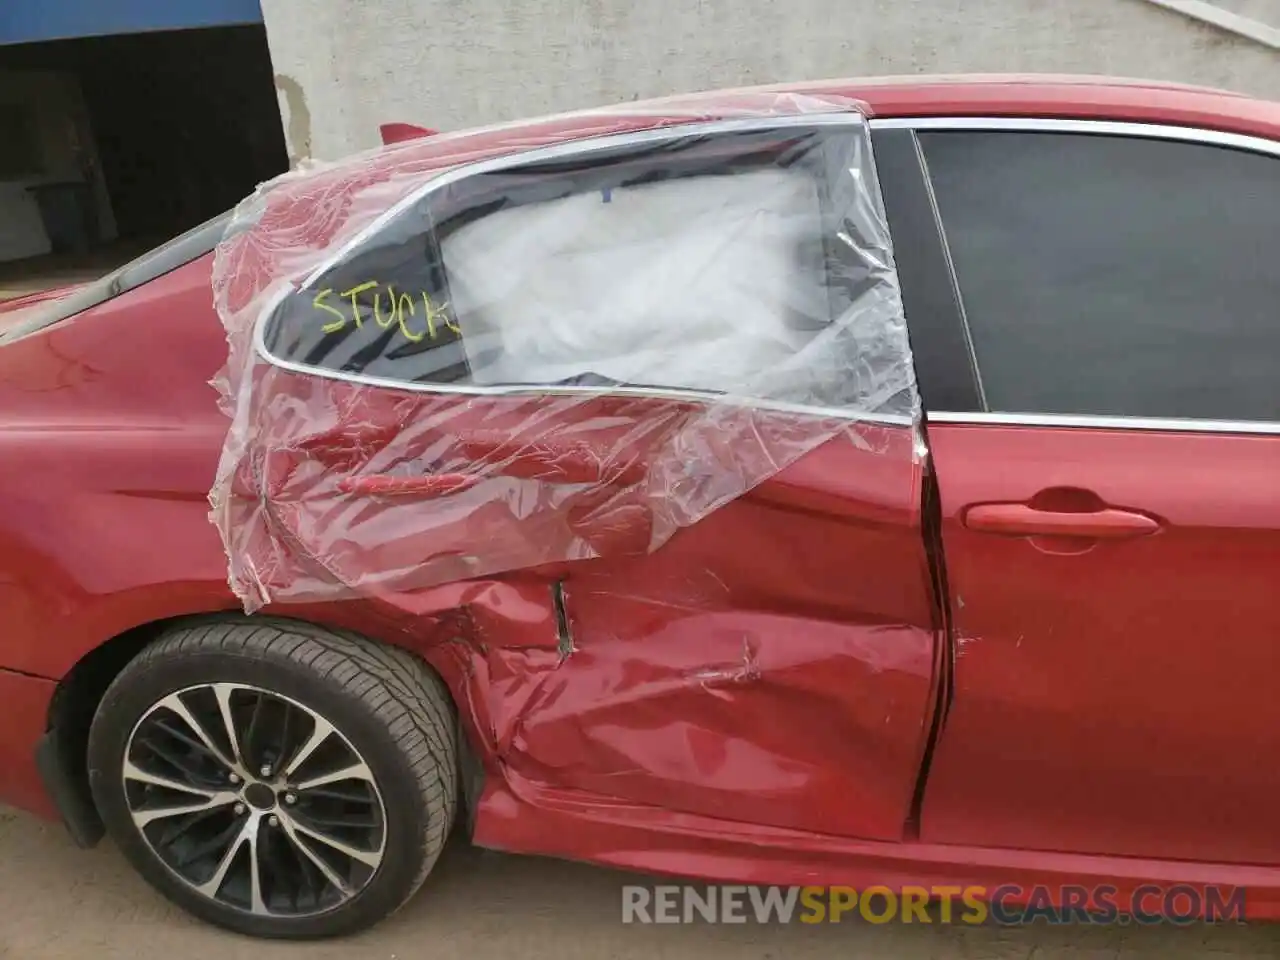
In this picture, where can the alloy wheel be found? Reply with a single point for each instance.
(254, 800)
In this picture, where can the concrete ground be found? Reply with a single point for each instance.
(60, 903)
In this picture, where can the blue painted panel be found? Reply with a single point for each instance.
(25, 21)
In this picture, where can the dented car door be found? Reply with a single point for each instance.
(1103, 421)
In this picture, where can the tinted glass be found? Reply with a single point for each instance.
(1115, 276)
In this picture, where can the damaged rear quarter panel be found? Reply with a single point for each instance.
(772, 664)
(660, 534)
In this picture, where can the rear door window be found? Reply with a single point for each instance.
(1115, 275)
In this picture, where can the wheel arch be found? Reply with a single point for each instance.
(62, 754)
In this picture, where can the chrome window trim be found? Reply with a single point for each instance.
(572, 148)
(676, 131)
(1150, 131)
(1099, 422)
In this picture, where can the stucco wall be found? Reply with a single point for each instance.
(1264, 11)
(344, 66)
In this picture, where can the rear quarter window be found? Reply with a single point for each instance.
(710, 264)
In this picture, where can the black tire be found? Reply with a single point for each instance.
(388, 707)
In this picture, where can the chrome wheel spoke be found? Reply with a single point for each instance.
(205, 848)
(173, 703)
(211, 887)
(254, 801)
(222, 693)
(353, 792)
(291, 831)
(322, 731)
(133, 772)
(318, 821)
(172, 759)
(367, 857)
(256, 904)
(143, 818)
(356, 771)
(177, 829)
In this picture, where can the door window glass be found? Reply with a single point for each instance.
(1115, 276)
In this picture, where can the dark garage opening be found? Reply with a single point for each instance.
(181, 125)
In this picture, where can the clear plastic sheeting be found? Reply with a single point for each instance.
(543, 343)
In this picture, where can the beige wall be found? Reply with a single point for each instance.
(344, 66)
(1264, 11)
(59, 109)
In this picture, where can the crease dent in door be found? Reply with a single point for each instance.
(731, 694)
(491, 352)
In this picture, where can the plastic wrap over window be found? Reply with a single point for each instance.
(545, 343)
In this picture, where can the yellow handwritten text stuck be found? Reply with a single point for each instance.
(390, 309)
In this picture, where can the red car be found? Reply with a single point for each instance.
(1003, 612)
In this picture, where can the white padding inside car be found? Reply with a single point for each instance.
(697, 283)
